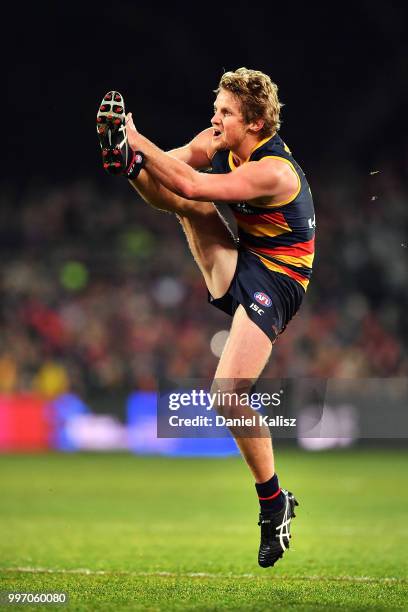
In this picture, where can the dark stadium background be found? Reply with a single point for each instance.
(86, 268)
(341, 73)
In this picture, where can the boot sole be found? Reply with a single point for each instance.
(110, 122)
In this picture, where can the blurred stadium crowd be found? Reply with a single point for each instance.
(99, 291)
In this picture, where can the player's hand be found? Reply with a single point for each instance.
(131, 132)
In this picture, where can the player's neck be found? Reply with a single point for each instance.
(243, 152)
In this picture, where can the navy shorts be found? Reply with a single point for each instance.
(270, 299)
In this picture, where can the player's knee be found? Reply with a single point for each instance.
(201, 212)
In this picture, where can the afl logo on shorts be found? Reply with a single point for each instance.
(263, 299)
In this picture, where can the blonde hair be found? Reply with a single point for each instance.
(258, 97)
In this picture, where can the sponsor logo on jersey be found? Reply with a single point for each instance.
(263, 299)
(257, 309)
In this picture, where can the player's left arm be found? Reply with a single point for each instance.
(267, 177)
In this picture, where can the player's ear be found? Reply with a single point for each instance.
(256, 125)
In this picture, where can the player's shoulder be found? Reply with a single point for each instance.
(278, 155)
(274, 164)
(272, 147)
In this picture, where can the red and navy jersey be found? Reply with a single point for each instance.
(281, 234)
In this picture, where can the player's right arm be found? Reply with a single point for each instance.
(197, 153)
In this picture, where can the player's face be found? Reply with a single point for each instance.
(229, 127)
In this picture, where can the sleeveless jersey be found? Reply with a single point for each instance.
(282, 234)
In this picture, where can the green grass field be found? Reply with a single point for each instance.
(120, 532)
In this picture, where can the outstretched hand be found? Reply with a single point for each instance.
(131, 132)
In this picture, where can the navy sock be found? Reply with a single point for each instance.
(270, 496)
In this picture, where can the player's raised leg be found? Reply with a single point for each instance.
(210, 240)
